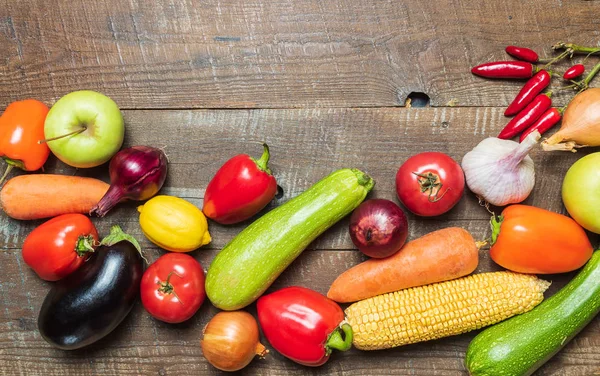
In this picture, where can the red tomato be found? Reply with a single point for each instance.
(430, 184)
(172, 288)
(59, 246)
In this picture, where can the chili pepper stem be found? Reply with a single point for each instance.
(591, 75)
(80, 130)
(85, 244)
(335, 340)
(575, 49)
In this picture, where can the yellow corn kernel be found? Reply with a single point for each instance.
(450, 308)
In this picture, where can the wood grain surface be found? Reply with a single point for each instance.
(323, 83)
(276, 54)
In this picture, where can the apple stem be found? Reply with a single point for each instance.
(83, 128)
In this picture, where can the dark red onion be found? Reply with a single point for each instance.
(378, 227)
(136, 173)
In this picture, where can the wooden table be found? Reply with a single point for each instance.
(324, 83)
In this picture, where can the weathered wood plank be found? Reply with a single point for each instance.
(306, 145)
(143, 346)
(283, 54)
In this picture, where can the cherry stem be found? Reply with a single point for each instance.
(80, 130)
(167, 288)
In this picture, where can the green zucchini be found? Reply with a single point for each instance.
(251, 261)
(522, 344)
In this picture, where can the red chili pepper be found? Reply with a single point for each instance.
(505, 69)
(532, 87)
(545, 122)
(303, 325)
(240, 189)
(523, 53)
(527, 116)
(573, 72)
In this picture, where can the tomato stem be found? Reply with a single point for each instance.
(84, 245)
(335, 340)
(167, 288)
(429, 182)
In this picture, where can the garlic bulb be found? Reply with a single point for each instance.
(500, 171)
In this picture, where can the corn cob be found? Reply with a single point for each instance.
(442, 309)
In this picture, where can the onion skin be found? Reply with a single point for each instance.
(136, 173)
(231, 341)
(378, 227)
(580, 124)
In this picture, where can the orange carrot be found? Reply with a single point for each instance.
(439, 256)
(42, 196)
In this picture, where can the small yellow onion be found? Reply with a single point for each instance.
(174, 224)
(580, 124)
(231, 341)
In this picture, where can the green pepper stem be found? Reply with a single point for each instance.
(495, 223)
(85, 244)
(262, 163)
(335, 340)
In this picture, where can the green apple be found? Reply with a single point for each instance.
(84, 129)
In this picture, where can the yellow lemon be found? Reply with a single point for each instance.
(174, 224)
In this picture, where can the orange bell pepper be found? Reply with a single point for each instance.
(21, 127)
(527, 239)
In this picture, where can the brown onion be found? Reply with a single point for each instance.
(231, 341)
(580, 124)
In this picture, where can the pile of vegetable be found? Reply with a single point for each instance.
(407, 291)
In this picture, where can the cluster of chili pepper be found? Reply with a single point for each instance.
(532, 108)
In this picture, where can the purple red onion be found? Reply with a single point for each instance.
(136, 173)
(378, 227)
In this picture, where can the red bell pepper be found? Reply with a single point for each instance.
(21, 129)
(303, 325)
(58, 247)
(240, 189)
